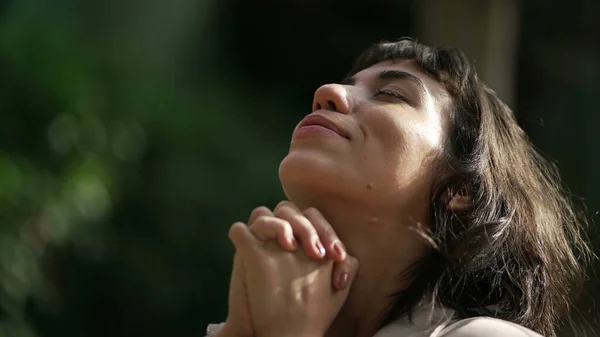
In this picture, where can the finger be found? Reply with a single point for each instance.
(286, 203)
(333, 245)
(303, 229)
(281, 232)
(242, 238)
(344, 273)
(271, 228)
(258, 212)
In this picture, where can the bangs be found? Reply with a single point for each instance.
(448, 66)
(405, 48)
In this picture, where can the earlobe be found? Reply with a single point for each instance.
(460, 203)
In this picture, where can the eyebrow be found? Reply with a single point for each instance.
(391, 75)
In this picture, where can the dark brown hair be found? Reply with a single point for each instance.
(519, 252)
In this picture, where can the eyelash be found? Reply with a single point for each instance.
(390, 93)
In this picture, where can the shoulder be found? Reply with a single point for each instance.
(486, 327)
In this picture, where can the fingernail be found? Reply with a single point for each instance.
(339, 249)
(320, 248)
(342, 281)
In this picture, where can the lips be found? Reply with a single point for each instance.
(319, 120)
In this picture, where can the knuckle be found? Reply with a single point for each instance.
(323, 227)
(282, 225)
(279, 225)
(283, 211)
(281, 204)
(258, 211)
(234, 229)
(333, 238)
(312, 210)
(307, 227)
(269, 222)
(260, 221)
(328, 232)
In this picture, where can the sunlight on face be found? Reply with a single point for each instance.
(378, 130)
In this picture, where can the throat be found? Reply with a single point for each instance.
(358, 318)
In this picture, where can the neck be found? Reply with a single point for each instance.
(379, 239)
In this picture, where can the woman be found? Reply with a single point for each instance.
(417, 207)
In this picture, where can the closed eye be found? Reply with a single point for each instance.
(391, 93)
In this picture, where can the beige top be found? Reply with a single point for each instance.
(439, 323)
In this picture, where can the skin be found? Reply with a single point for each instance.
(289, 293)
(358, 197)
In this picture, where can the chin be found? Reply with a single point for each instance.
(302, 171)
(306, 176)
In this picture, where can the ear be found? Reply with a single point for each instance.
(460, 203)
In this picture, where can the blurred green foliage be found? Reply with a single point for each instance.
(132, 134)
(117, 182)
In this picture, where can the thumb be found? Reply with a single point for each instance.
(236, 284)
(344, 272)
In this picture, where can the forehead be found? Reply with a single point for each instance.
(433, 88)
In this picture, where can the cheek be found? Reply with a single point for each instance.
(398, 147)
(431, 133)
(410, 133)
(393, 138)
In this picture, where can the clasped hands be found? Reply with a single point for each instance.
(291, 274)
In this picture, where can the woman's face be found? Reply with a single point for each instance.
(390, 127)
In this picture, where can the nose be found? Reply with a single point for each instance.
(333, 97)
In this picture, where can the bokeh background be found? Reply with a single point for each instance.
(133, 133)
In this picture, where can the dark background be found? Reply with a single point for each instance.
(134, 133)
